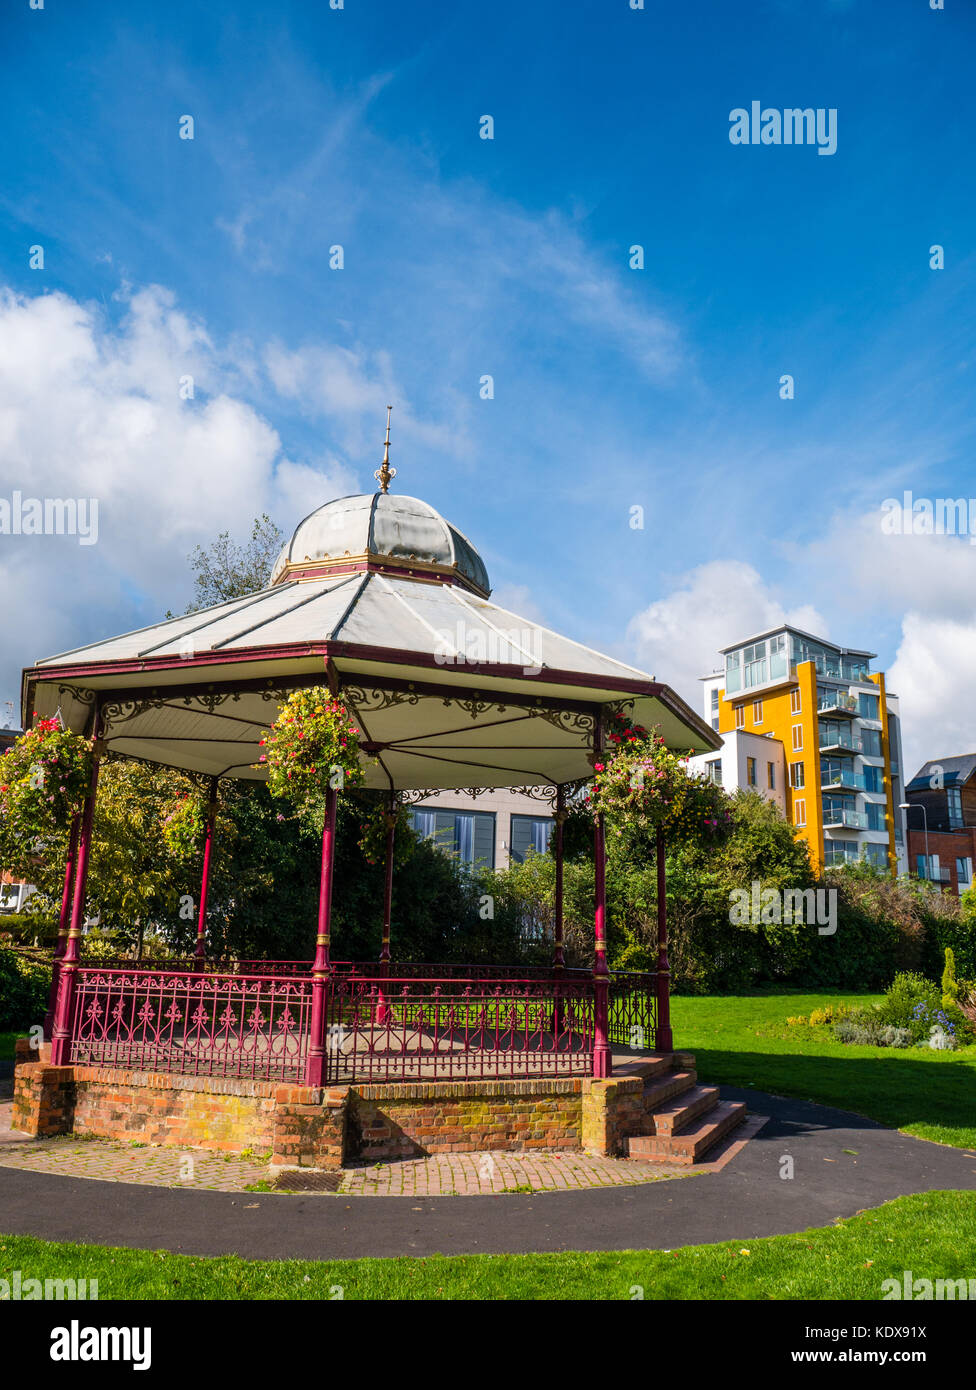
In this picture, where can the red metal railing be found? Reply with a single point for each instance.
(396, 1022)
(457, 1028)
(204, 1025)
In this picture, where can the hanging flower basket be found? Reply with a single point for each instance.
(183, 828)
(44, 778)
(643, 785)
(312, 746)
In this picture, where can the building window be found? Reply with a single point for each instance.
(797, 737)
(795, 701)
(871, 743)
(757, 711)
(799, 812)
(876, 816)
(740, 716)
(796, 775)
(529, 833)
(868, 706)
(771, 776)
(954, 803)
(715, 723)
(468, 835)
(715, 699)
(964, 873)
(873, 779)
(713, 770)
(876, 855)
(751, 772)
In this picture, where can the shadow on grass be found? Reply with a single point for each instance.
(898, 1090)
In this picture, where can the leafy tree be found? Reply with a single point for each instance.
(226, 569)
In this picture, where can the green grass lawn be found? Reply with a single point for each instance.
(933, 1235)
(745, 1041)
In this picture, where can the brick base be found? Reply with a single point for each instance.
(305, 1126)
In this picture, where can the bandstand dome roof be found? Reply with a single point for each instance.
(381, 599)
(381, 527)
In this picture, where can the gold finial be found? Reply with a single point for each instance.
(384, 473)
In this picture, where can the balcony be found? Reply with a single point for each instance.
(939, 875)
(838, 741)
(840, 818)
(838, 704)
(842, 780)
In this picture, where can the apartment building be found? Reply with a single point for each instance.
(495, 829)
(834, 738)
(941, 819)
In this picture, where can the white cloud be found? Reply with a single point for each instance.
(678, 638)
(90, 408)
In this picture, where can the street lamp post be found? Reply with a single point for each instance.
(917, 806)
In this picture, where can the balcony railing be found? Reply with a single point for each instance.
(839, 739)
(843, 779)
(933, 875)
(840, 818)
(837, 702)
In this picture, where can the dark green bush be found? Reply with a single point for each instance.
(24, 990)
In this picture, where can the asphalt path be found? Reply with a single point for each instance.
(841, 1163)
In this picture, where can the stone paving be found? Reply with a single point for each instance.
(442, 1175)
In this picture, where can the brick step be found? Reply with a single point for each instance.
(688, 1147)
(658, 1093)
(681, 1112)
(653, 1064)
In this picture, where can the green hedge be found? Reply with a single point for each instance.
(25, 987)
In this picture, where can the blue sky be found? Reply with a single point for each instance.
(463, 257)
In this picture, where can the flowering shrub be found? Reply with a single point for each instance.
(374, 826)
(644, 785)
(44, 777)
(313, 745)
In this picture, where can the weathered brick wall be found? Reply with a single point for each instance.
(43, 1099)
(201, 1112)
(400, 1121)
(613, 1110)
(310, 1127)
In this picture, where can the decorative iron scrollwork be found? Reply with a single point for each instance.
(370, 699)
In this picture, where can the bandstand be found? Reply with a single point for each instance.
(386, 603)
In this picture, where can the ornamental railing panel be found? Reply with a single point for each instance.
(383, 1022)
(461, 1029)
(197, 1024)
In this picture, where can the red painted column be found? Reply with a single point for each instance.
(602, 1058)
(382, 1012)
(388, 885)
(64, 1006)
(558, 958)
(201, 947)
(321, 966)
(662, 1040)
(63, 921)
